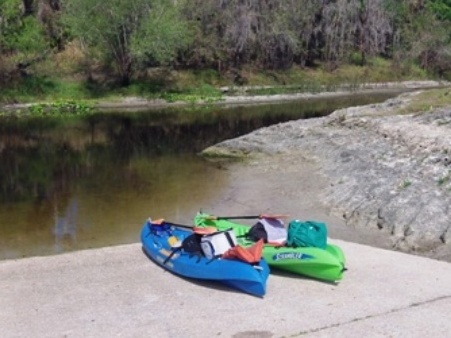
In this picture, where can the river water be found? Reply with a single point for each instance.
(91, 181)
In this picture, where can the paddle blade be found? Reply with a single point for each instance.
(159, 221)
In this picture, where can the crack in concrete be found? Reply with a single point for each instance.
(358, 319)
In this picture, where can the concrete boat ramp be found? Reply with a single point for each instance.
(119, 292)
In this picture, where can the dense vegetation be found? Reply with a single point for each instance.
(118, 44)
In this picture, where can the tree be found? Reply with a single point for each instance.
(422, 33)
(350, 25)
(442, 8)
(128, 32)
(236, 32)
(162, 34)
(22, 40)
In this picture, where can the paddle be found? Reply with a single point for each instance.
(217, 218)
(198, 230)
(161, 221)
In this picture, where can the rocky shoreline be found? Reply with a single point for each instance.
(386, 171)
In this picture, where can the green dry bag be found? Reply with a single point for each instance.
(308, 233)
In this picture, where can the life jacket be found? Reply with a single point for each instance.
(251, 255)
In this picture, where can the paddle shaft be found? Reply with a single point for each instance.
(245, 217)
(235, 217)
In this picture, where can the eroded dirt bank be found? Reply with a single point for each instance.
(377, 171)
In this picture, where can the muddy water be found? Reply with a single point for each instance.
(91, 181)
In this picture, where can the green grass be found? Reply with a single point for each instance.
(444, 179)
(204, 93)
(427, 100)
(406, 183)
(36, 89)
(202, 85)
(57, 108)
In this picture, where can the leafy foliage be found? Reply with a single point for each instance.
(121, 40)
(161, 35)
(63, 108)
(442, 8)
(22, 39)
(127, 31)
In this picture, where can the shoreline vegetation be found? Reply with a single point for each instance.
(225, 95)
(259, 94)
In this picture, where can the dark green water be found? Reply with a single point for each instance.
(86, 182)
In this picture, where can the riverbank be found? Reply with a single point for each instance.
(383, 170)
(376, 174)
(244, 99)
(134, 103)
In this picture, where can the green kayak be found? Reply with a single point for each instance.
(324, 264)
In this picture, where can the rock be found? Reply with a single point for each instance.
(386, 171)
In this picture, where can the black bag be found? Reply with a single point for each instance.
(257, 232)
(191, 244)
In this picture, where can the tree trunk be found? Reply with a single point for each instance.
(28, 7)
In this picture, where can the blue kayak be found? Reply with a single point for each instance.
(158, 244)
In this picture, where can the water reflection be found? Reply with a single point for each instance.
(70, 184)
(65, 229)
